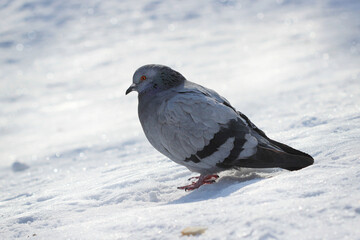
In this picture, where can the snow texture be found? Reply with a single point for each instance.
(75, 164)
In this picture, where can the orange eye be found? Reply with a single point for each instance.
(143, 77)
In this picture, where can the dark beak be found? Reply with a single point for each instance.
(130, 89)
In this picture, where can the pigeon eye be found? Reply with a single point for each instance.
(143, 77)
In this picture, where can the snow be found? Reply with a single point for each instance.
(75, 164)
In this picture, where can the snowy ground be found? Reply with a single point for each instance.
(74, 163)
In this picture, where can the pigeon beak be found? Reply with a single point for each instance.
(130, 89)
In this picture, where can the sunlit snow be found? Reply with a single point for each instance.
(75, 164)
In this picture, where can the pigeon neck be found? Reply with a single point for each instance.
(166, 82)
(171, 79)
(150, 91)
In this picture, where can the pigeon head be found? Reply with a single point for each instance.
(154, 78)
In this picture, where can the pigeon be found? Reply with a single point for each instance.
(196, 127)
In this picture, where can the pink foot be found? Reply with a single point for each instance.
(202, 179)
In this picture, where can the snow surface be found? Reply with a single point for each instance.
(75, 164)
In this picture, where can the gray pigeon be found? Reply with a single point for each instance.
(194, 126)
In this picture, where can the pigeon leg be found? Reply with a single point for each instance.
(192, 178)
(202, 179)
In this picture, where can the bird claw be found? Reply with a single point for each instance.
(193, 178)
(202, 179)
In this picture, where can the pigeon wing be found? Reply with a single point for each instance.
(201, 132)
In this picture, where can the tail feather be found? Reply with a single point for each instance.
(270, 158)
(290, 150)
(267, 157)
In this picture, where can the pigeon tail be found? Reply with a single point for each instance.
(289, 159)
(304, 159)
(293, 159)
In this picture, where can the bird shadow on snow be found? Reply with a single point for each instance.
(228, 183)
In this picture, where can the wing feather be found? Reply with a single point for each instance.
(187, 124)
